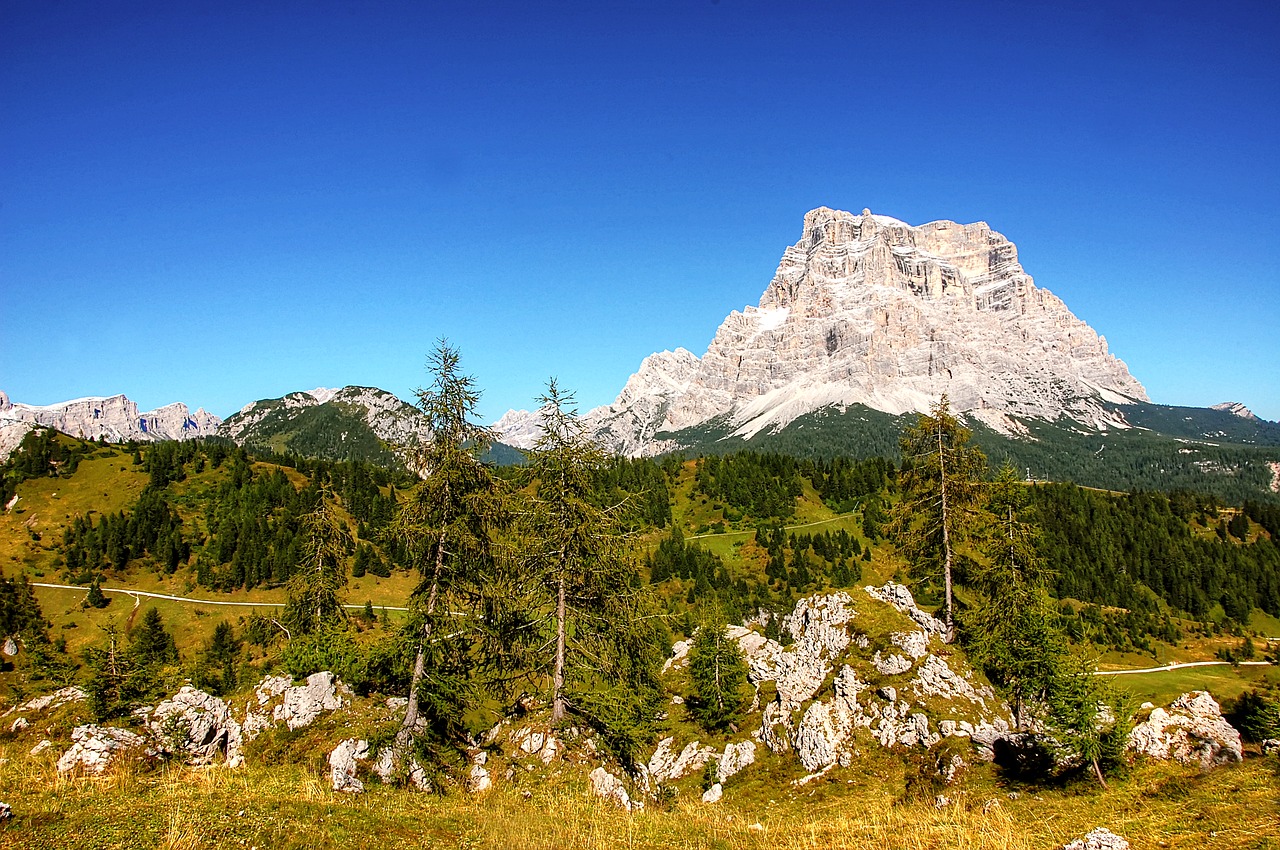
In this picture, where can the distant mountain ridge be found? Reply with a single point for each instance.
(115, 418)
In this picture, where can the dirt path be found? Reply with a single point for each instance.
(136, 594)
(1179, 667)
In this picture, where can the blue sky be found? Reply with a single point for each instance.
(220, 202)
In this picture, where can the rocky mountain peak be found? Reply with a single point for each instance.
(867, 309)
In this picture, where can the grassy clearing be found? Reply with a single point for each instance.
(1224, 682)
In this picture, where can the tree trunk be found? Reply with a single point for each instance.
(946, 538)
(405, 735)
(1097, 771)
(557, 681)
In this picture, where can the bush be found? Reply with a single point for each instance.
(1256, 716)
(331, 648)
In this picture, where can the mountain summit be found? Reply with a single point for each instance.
(866, 309)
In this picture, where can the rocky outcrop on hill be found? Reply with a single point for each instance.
(909, 697)
(195, 727)
(1237, 409)
(605, 784)
(278, 700)
(115, 418)
(95, 748)
(1191, 731)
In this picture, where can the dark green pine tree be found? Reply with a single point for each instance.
(151, 643)
(941, 506)
(314, 599)
(217, 670)
(719, 675)
(1011, 629)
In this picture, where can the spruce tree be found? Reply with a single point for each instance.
(313, 590)
(719, 675)
(941, 503)
(1011, 629)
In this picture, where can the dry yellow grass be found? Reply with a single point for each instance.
(291, 806)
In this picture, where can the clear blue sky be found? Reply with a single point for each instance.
(219, 202)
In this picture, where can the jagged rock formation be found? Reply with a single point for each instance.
(196, 727)
(343, 424)
(1191, 731)
(114, 418)
(914, 701)
(280, 701)
(1237, 409)
(344, 763)
(866, 309)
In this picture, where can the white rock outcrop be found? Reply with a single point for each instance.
(344, 763)
(1191, 731)
(1098, 839)
(735, 758)
(278, 700)
(195, 727)
(95, 748)
(667, 766)
(605, 784)
(54, 700)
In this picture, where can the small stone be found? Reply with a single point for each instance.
(1099, 839)
(713, 794)
(756, 827)
(19, 724)
(41, 747)
(6, 811)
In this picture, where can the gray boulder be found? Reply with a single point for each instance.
(1191, 731)
(344, 763)
(95, 748)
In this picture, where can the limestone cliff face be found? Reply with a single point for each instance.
(866, 309)
(116, 418)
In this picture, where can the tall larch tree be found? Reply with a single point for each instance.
(446, 526)
(942, 497)
(602, 665)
